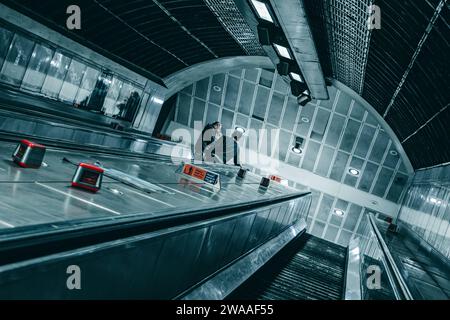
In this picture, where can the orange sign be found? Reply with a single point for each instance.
(275, 178)
(201, 174)
(194, 171)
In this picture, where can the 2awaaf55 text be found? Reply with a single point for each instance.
(225, 309)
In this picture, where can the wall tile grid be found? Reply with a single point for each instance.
(338, 134)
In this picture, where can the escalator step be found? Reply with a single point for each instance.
(307, 269)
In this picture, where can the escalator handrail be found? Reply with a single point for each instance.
(74, 124)
(68, 145)
(406, 293)
(51, 240)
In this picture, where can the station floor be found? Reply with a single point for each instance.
(45, 196)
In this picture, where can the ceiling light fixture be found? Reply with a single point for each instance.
(303, 99)
(296, 77)
(353, 172)
(435, 201)
(339, 212)
(240, 130)
(282, 51)
(393, 152)
(158, 100)
(262, 10)
(297, 147)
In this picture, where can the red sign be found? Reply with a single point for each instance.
(201, 174)
(275, 178)
(194, 171)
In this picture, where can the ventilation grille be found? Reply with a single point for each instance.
(231, 19)
(349, 39)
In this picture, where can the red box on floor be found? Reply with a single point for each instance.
(88, 177)
(29, 154)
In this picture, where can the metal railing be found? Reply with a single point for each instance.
(400, 286)
(371, 271)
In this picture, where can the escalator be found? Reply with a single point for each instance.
(427, 277)
(131, 243)
(377, 265)
(309, 268)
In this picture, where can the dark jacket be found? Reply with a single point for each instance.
(204, 141)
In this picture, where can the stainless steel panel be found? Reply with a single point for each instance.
(157, 265)
(175, 268)
(46, 278)
(214, 248)
(255, 235)
(270, 221)
(229, 279)
(285, 214)
(46, 205)
(238, 240)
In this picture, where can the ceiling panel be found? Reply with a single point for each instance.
(404, 72)
(156, 37)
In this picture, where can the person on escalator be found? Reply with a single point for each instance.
(233, 149)
(211, 133)
(226, 149)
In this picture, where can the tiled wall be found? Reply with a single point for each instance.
(338, 134)
(426, 207)
(324, 224)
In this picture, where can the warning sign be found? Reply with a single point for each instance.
(198, 173)
(275, 178)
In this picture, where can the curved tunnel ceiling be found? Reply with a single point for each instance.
(159, 37)
(402, 69)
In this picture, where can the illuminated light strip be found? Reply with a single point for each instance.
(196, 197)
(178, 191)
(77, 198)
(431, 23)
(426, 123)
(6, 224)
(151, 198)
(198, 185)
(158, 100)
